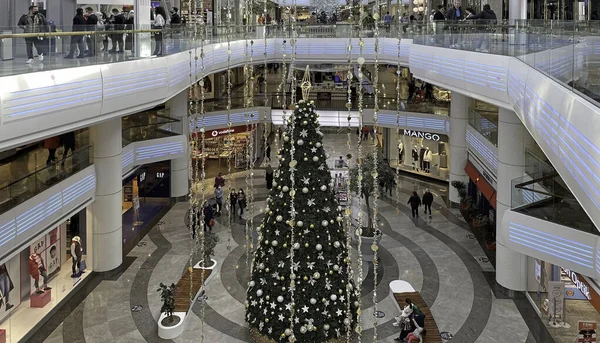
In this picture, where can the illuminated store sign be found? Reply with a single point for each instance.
(216, 133)
(585, 290)
(424, 135)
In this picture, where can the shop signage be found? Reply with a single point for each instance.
(225, 131)
(587, 331)
(217, 133)
(424, 135)
(160, 175)
(538, 270)
(583, 287)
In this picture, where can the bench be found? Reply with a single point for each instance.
(188, 289)
(401, 290)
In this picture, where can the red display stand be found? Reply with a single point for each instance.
(40, 300)
(2, 336)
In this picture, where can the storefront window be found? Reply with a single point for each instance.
(39, 277)
(419, 152)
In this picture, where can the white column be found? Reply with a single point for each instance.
(142, 41)
(178, 108)
(107, 208)
(459, 107)
(517, 9)
(511, 266)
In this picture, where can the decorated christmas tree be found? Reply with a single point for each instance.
(300, 289)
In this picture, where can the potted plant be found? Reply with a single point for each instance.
(461, 189)
(371, 176)
(480, 221)
(170, 323)
(210, 242)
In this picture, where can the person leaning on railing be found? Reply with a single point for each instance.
(484, 18)
(77, 40)
(34, 22)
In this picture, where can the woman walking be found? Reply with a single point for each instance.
(241, 198)
(269, 176)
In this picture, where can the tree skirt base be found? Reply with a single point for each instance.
(257, 337)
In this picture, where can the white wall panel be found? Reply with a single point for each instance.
(162, 149)
(557, 244)
(179, 72)
(485, 151)
(127, 158)
(134, 83)
(27, 220)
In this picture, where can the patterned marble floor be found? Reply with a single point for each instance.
(437, 256)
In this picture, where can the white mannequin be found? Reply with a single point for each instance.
(427, 160)
(415, 158)
(400, 152)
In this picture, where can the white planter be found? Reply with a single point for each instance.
(170, 332)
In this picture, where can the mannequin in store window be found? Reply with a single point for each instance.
(400, 153)
(427, 160)
(415, 157)
(421, 155)
(37, 268)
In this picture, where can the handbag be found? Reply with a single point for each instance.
(211, 223)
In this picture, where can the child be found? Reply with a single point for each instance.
(417, 335)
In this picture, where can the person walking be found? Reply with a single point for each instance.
(454, 15)
(241, 198)
(91, 23)
(159, 24)
(414, 202)
(427, 201)
(76, 254)
(209, 218)
(387, 20)
(51, 144)
(34, 22)
(269, 176)
(484, 18)
(219, 199)
(232, 201)
(268, 152)
(77, 41)
(67, 140)
(118, 24)
(219, 180)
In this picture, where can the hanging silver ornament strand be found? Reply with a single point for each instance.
(398, 109)
(229, 86)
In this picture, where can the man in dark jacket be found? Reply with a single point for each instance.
(487, 18)
(91, 22)
(209, 215)
(175, 18)
(77, 41)
(427, 201)
(118, 22)
(454, 15)
(34, 22)
(438, 23)
(414, 202)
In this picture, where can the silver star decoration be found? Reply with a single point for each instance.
(311, 202)
(325, 312)
(326, 209)
(261, 301)
(280, 195)
(253, 303)
(329, 264)
(304, 133)
(271, 251)
(275, 275)
(306, 231)
(326, 303)
(262, 281)
(288, 306)
(313, 150)
(265, 311)
(281, 318)
(310, 265)
(337, 332)
(297, 320)
(312, 281)
(320, 257)
(305, 309)
(338, 312)
(305, 180)
(270, 330)
(328, 285)
(321, 167)
(273, 305)
(281, 264)
(261, 325)
(296, 266)
(342, 298)
(277, 232)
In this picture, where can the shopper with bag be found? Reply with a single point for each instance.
(209, 217)
(76, 254)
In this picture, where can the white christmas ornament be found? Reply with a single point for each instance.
(296, 246)
(318, 145)
(315, 158)
(323, 188)
(251, 283)
(274, 243)
(260, 293)
(299, 223)
(303, 329)
(279, 218)
(287, 332)
(304, 190)
(324, 223)
(313, 301)
(336, 244)
(285, 188)
(360, 60)
(300, 142)
(333, 297)
(326, 327)
(339, 219)
(319, 247)
(280, 299)
(286, 139)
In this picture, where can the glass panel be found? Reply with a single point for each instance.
(146, 125)
(43, 178)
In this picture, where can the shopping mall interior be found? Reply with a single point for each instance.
(299, 171)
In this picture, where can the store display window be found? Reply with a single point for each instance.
(221, 145)
(420, 152)
(35, 280)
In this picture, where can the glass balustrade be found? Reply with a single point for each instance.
(544, 195)
(39, 179)
(485, 124)
(147, 125)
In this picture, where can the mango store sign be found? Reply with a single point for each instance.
(424, 135)
(582, 287)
